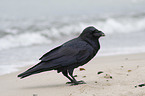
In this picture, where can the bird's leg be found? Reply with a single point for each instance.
(75, 82)
(65, 73)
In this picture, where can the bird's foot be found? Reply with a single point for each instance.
(69, 82)
(76, 82)
(79, 82)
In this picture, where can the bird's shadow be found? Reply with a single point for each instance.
(45, 86)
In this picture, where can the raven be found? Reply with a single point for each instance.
(70, 55)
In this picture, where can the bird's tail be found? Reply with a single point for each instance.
(24, 74)
(35, 69)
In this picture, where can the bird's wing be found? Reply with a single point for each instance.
(78, 57)
(67, 54)
(58, 53)
(65, 57)
(53, 52)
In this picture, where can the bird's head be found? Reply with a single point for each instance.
(91, 32)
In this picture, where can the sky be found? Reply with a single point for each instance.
(59, 7)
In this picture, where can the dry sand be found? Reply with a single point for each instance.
(127, 71)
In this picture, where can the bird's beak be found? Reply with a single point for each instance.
(103, 34)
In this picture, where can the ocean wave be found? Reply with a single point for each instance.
(20, 40)
(27, 32)
(122, 25)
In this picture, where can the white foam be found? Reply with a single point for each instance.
(21, 40)
(28, 32)
(123, 25)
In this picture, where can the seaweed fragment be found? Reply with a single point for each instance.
(100, 72)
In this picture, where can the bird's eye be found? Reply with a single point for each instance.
(93, 31)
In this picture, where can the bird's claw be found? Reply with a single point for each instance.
(76, 82)
(82, 82)
(69, 82)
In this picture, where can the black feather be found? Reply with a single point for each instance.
(69, 55)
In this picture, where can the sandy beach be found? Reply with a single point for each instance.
(31, 28)
(124, 72)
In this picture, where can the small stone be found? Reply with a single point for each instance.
(122, 66)
(95, 81)
(35, 95)
(81, 69)
(126, 58)
(100, 72)
(141, 85)
(108, 76)
(84, 76)
(75, 75)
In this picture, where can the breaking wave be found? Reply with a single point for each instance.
(27, 32)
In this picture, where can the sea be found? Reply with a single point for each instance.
(30, 28)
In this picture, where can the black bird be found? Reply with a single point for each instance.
(70, 55)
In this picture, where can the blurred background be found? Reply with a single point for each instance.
(30, 28)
